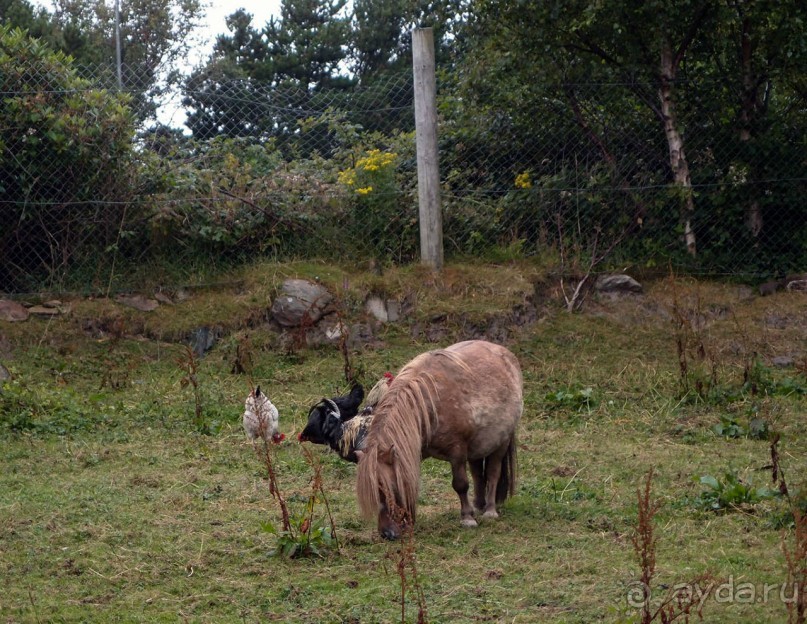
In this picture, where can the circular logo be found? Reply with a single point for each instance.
(637, 594)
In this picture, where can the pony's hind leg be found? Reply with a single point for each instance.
(493, 469)
(478, 472)
(460, 484)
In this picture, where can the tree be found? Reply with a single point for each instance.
(307, 45)
(22, 14)
(381, 39)
(65, 150)
(758, 60)
(265, 82)
(636, 43)
(155, 38)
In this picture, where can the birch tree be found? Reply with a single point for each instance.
(634, 42)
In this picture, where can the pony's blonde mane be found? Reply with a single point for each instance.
(402, 425)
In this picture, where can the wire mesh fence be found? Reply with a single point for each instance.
(97, 195)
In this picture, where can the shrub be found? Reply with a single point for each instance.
(379, 211)
(65, 150)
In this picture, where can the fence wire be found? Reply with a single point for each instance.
(102, 191)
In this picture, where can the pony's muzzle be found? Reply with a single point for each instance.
(390, 532)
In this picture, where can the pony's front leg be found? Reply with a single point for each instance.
(459, 482)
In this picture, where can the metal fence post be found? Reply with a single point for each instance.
(431, 221)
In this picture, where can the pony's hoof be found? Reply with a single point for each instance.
(491, 514)
(469, 522)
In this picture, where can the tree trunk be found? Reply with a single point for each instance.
(675, 142)
(748, 112)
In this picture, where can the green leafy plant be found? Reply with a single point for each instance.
(304, 537)
(69, 144)
(301, 534)
(729, 427)
(730, 493)
(760, 379)
(577, 399)
(45, 409)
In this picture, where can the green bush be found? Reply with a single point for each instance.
(65, 151)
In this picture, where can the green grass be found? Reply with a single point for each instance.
(113, 508)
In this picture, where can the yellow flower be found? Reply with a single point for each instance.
(364, 191)
(375, 160)
(347, 177)
(523, 180)
(231, 161)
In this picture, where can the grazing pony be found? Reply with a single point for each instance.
(461, 405)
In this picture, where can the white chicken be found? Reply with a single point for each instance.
(261, 418)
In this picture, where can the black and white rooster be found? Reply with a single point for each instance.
(338, 423)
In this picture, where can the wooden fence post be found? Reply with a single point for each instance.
(431, 219)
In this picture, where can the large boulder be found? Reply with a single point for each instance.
(300, 302)
(618, 283)
(12, 311)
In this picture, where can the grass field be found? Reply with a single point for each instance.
(115, 508)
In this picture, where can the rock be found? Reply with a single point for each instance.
(42, 310)
(618, 283)
(776, 321)
(393, 311)
(388, 311)
(361, 334)
(12, 311)
(300, 302)
(797, 285)
(138, 302)
(768, 288)
(203, 339)
(163, 298)
(375, 307)
(783, 361)
(329, 330)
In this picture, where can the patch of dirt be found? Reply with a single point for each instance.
(563, 471)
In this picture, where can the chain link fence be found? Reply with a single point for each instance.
(239, 170)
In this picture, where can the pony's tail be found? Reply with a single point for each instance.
(507, 478)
